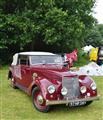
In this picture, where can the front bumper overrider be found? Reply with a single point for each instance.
(67, 101)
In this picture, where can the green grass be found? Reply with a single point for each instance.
(16, 105)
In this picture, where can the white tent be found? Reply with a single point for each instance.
(86, 49)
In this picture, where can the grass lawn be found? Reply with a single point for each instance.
(16, 105)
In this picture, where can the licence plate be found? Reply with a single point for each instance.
(79, 103)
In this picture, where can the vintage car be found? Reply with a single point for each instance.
(43, 76)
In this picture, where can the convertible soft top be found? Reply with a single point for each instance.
(36, 53)
(15, 57)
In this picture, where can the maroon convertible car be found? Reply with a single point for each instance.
(44, 76)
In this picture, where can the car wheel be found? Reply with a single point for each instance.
(12, 83)
(38, 100)
(88, 103)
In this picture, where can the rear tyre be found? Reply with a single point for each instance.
(38, 100)
(12, 83)
(88, 103)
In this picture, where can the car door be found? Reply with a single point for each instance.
(24, 72)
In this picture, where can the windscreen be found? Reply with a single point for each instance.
(46, 59)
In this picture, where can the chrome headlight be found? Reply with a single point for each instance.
(64, 91)
(83, 89)
(93, 86)
(51, 89)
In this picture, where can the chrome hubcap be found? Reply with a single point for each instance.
(40, 99)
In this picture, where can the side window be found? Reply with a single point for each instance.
(23, 60)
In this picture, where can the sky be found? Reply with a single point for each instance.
(99, 11)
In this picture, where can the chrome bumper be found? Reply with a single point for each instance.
(56, 102)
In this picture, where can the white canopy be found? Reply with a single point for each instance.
(87, 48)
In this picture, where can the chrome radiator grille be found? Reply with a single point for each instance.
(72, 85)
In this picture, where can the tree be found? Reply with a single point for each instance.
(62, 23)
(100, 29)
(95, 36)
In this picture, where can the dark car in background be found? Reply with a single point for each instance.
(100, 56)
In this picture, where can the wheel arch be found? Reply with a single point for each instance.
(33, 87)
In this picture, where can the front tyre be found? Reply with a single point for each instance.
(38, 100)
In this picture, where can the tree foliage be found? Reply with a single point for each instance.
(95, 36)
(62, 23)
